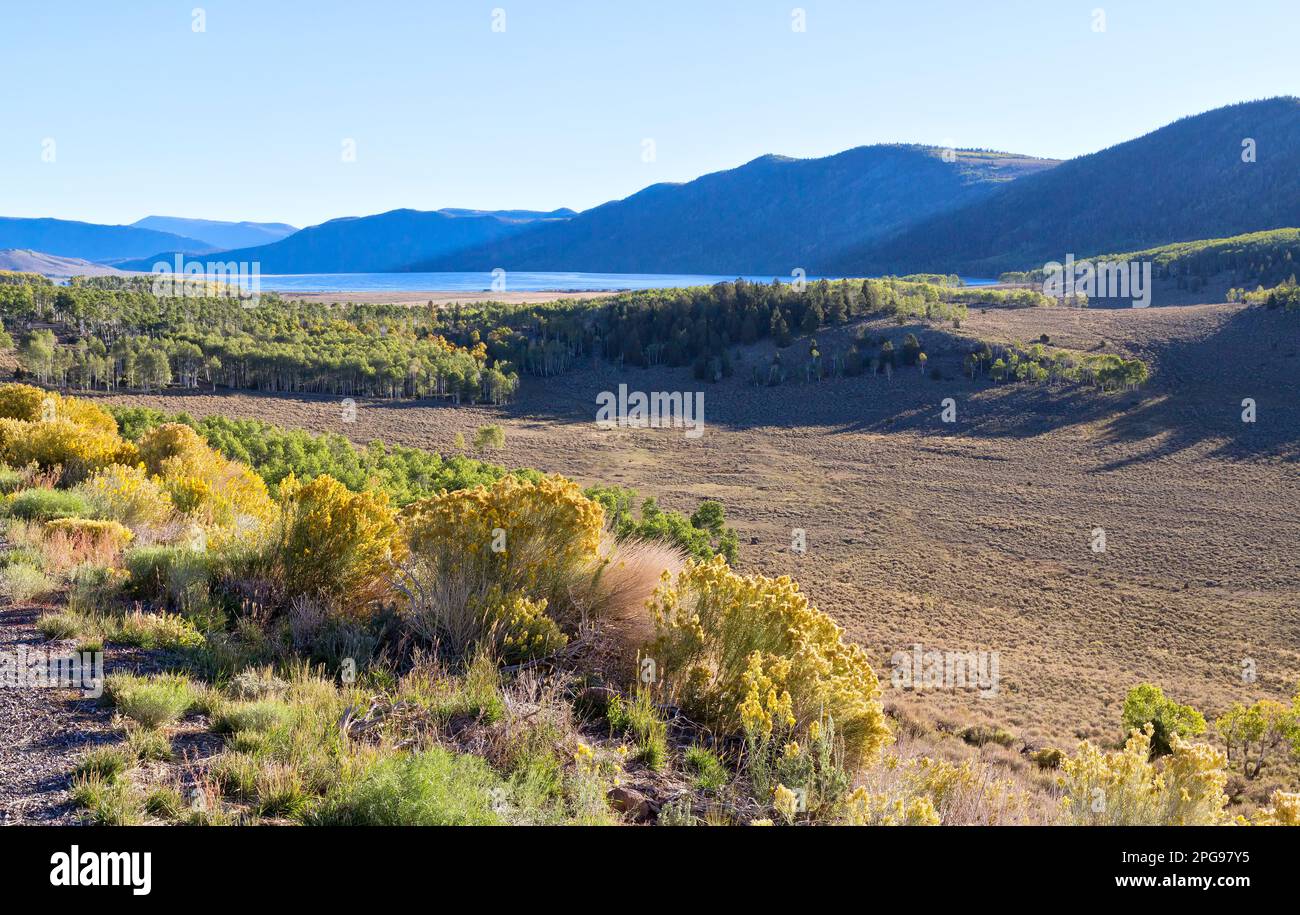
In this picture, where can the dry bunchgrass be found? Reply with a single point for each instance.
(619, 600)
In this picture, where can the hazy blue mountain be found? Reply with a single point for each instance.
(24, 261)
(88, 241)
(219, 234)
(771, 215)
(380, 243)
(1183, 182)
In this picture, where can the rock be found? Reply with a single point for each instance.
(633, 803)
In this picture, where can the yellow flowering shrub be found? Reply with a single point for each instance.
(746, 652)
(1124, 788)
(521, 628)
(786, 803)
(60, 442)
(523, 526)
(31, 404)
(337, 543)
(516, 539)
(866, 808)
(225, 498)
(1283, 810)
(127, 494)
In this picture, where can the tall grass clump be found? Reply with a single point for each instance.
(429, 788)
(151, 701)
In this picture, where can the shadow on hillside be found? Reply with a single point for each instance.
(1194, 396)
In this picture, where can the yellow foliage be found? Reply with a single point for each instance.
(547, 522)
(1124, 788)
(171, 447)
(225, 498)
(337, 543)
(521, 627)
(1284, 810)
(61, 443)
(127, 494)
(785, 802)
(866, 808)
(746, 652)
(31, 404)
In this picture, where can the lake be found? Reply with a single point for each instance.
(519, 281)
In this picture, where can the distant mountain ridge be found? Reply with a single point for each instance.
(1183, 182)
(867, 211)
(383, 243)
(23, 261)
(89, 241)
(769, 216)
(218, 234)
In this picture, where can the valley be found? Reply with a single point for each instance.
(974, 535)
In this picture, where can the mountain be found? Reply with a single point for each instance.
(1183, 182)
(769, 216)
(22, 261)
(378, 244)
(66, 238)
(220, 235)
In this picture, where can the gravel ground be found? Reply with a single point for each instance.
(42, 733)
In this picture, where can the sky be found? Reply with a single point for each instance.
(242, 110)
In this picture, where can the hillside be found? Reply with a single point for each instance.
(219, 234)
(1184, 181)
(22, 261)
(89, 241)
(769, 216)
(380, 243)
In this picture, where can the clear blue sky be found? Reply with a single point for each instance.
(246, 120)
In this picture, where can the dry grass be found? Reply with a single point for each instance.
(621, 593)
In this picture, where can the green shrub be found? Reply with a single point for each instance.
(46, 505)
(1047, 758)
(58, 626)
(979, 734)
(151, 701)
(106, 762)
(710, 774)
(640, 719)
(429, 788)
(173, 576)
(21, 583)
(702, 536)
(1146, 704)
(11, 480)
